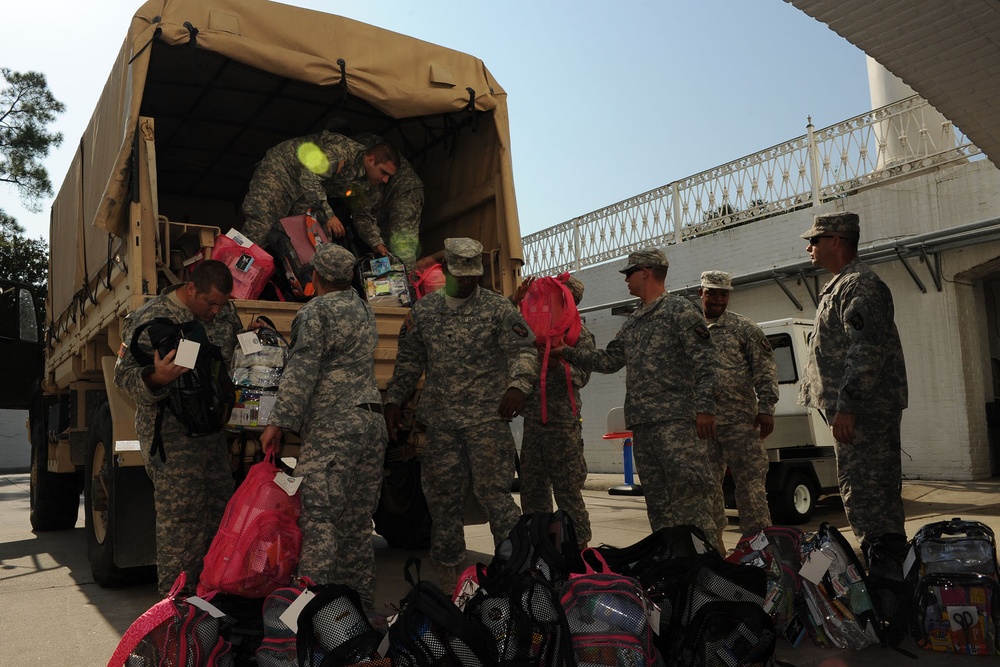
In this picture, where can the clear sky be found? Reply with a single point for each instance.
(606, 99)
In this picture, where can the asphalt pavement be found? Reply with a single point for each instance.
(52, 611)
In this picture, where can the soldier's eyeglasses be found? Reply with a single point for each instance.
(634, 269)
(814, 240)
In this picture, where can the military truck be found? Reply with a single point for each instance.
(199, 91)
(802, 465)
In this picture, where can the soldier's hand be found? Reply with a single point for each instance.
(381, 249)
(393, 419)
(511, 404)
(522, 290)
(270, 440)
(165, 370)
(558, 352)
(705, 425)
(765, 423)
(335, 227)
(843, 427)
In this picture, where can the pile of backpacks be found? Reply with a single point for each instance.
(669, 600)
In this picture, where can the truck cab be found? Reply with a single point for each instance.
(802, 464)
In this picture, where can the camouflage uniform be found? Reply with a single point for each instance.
(856, 366)
(191, 488)
(282, 186)
(471, 354)
(747, 386)
(398, 209)
(328, 394)
(552, 459)
(670, 375)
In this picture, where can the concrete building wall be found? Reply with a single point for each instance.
(947, 336)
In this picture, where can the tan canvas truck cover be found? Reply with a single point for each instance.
(230, 78)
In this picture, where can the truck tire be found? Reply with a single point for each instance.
(54, 496)
(98, 493)
(794, 502)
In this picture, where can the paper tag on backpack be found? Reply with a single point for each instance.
(205, 605)
(249, 342)
(816, 565)
(187, 353)
(287, 483)
(290, 616)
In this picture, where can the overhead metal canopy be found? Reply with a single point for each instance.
(948, 51)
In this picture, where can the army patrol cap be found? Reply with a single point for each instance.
(463, 257)
(575, 288)
(334, 263)
(840, 224)
(641, 259)
(716, 280)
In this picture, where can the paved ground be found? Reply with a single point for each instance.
(52, 612)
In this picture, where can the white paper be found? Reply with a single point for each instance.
(759, 541)
(289, 461)
(699, 546)
(127, 446)
(287, 483)
(243, 241)
(911, 558)
(187, 353)
(815, 566)
(201, 603)
(249, 342)
(290, 616)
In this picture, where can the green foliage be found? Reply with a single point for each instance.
(26, 260)
(26, 109)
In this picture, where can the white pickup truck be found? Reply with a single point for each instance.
(800, 450)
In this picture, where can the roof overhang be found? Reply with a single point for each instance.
(948, 51)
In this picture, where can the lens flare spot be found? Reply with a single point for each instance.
(313, 158)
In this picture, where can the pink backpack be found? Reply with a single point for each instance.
(427, 280)
(550, 311)
(256, 549)
(173, 632)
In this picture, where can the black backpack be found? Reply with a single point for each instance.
(334, 630)
(543, 542)
(201, 399)
(430, 631)
(711, 612)
(523, 614)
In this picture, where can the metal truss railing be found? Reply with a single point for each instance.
(891, 143)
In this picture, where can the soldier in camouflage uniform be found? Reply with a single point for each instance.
(305, 172)
(329, 396)
(398, 210)
(856, 376)
(670, 378)
(192, 486)
(552, 460)
(480, 362)
(745, 396)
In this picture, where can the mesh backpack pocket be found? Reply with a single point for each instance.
(279, 647)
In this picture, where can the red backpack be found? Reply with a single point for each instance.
(550, 311)
(256, 548)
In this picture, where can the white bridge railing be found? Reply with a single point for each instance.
(892, 143)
